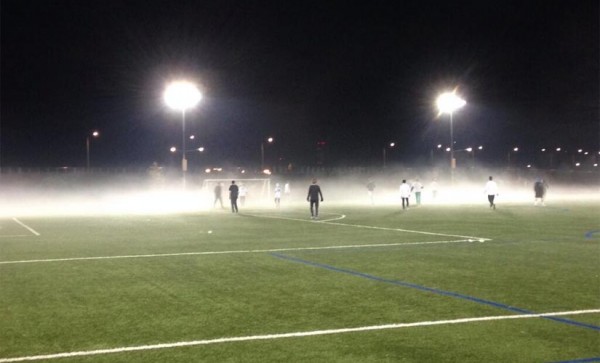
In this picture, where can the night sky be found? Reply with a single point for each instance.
(355, 75)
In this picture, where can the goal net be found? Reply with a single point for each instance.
(256, 190)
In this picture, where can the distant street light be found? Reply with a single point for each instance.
(180, 96)
(262, 152)
(448, 103)
(390, 145)
(94, 134)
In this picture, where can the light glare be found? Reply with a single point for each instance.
(449, 102)
(182, 95)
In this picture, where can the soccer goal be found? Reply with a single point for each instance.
(258, 190)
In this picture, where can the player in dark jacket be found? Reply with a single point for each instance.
(539, 188)
(233, 195)
(314, 192)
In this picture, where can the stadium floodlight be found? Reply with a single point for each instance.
(93, 134)
(182, 95)
(449, 102)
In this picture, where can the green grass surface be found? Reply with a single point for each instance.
(255, 275)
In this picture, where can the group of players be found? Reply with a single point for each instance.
(236, 192)
(315, 195)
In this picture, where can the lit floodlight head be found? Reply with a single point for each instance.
(392, 144)
(201, 149)
(182, 95)
(469, 149)
(173, 149)
(449, 102)
(95, 133)
(270, 140)
(439, 146)
(515, 149)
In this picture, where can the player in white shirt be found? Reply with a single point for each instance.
(277, 195)
(404, 194)
(417, 188)
(491, 189)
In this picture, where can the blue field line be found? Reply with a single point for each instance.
(583, 360)
(432, 290)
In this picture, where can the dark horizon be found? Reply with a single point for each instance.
(355, 77)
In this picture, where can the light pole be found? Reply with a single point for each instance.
(94, 134)
(480, 147)
(390, 145)
(180, 96)
(515, 149)
(262, 152)
(448, 103)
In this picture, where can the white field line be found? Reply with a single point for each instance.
(290, 335)
(368, 227)
(231, 252)
(342, 216)
(26, 227)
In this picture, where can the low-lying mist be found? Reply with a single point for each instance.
(64, 195)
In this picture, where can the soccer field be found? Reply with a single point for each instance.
(362, 284)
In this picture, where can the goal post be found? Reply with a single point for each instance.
(256, 189)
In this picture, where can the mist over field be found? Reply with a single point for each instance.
(101, 194)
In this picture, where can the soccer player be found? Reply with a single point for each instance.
(491, 189)
(539, 188)
(277, 195)
(417, 187)
(233, 196)
(434, 188)
(314, 192)
(218, 195)
(242, 193)
(404, 194)
(371, 190)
